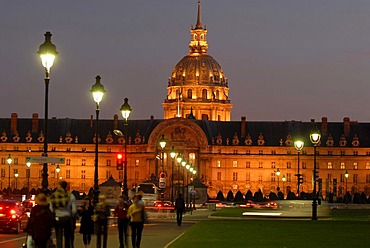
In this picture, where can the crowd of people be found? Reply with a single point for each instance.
(60, 212)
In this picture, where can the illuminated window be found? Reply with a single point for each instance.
(330, 166)
(235, 163)
(137, 162)
(355, 165)
(367, 166)
(218, 163)
(342, 165)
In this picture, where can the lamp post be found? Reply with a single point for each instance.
(283, 179)
(173, 155)
(16, 178)
(10, 161)
(315, 139)
(179, 160)
(187, 166)
(183, 163)
(346, 176)
(28, 172)
(57, 171)
(162, 144)
(125, 111)
(278, 175)
(298, 146)
(97, 91)
(47, 52)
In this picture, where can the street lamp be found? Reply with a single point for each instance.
(346, 175)
(298, 146)
(125, 111)
(28, 172)
(16, 177)
(9, 160)
(315, 139)
(278, 175)
(283, 179)
(47, 52)
(162, 143)
(173, 155)
(97, 91)
(57, 171)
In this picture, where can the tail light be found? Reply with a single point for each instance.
(13, 213)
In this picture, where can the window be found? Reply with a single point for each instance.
(108, 174)
(16, 148)
(330, 153)
(273, 176)
(219, 176)
(68, 173)
(248, 152)
(68, 149)
(3, 160)
(355, 178)
(190, 94)
(2, 172)
(367, 178)
(260, 152)
(192, 158)
(329, 177)
(342, 178)
(342, 153)
(235, 176)
(247, 177)
(137, 162)
(68, 161)
(83, 174)
(247, 164)
(235, 151)
(15, 161)
(330, 166)
(304, 165)
(83, 163)
(289, 152)
(53, 148)
(218, 163)
(355, 165)
(204, 117)
(109, 149)
(109, 162)
(289, 177)
(342, 165)
(260, 178)
(273, 165)
(355, 153)
(367, 153)
(288, 165)
(260, 165)
(367, 166)
(235, 163)
(40, 173)
(83, 149)
(204, 94)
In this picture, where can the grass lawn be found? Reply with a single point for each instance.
(346, 228)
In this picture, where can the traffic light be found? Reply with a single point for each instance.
(300, 179)
(119, 160)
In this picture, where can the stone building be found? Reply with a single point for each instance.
(227, 155)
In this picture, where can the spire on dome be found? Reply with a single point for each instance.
(199, 21)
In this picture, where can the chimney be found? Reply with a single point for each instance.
(243, 126)
(347, 126)
(312, 120)
(13, 122)
(324, 125)
(115, 122)
(35, 123)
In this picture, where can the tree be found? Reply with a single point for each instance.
(220, 196)
(290, 195)
(356, 198)
(280, 195)
(347, 198)
(230, 196)
(239, 197)
(273, 196)
(249, 195)
(363, 198)
(258, 197)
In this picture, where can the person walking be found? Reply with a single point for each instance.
(136, 213)
(120, 211)
(180, 209)
(63, 204)
(41, 221)
(102, 212)
(85, 212)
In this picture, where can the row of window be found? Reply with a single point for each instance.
(288, 177)
(303, 165)
(303, 152)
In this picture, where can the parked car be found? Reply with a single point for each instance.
(13, 216)
(165, 205)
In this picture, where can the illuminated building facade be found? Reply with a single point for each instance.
(228, 155)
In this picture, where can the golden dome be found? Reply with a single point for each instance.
(197, 68)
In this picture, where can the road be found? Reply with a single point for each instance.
(155, 234)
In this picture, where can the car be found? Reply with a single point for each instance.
(13, 216)
(166, 205)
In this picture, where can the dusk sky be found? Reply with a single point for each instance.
(285, 59)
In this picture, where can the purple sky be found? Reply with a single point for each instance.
(285, 60)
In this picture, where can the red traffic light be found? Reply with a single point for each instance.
(119, 156)
(162, 175)
(119, 161)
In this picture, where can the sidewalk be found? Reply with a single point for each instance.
(157, 234)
